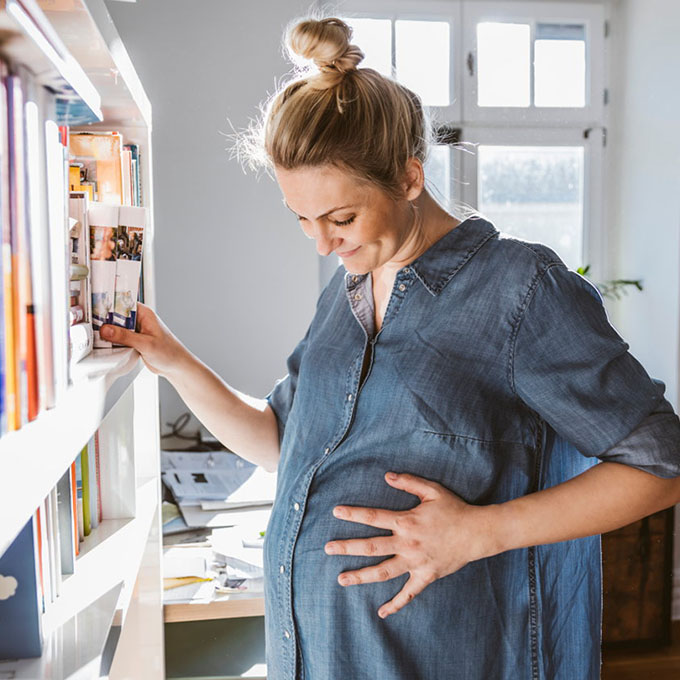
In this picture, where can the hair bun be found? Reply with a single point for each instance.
(326, 42)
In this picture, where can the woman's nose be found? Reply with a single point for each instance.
(325, 243)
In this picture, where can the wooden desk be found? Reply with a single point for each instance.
(232, 606)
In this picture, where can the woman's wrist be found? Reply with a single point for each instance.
(493, 530)
(182, 367)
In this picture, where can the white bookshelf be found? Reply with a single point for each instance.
(108, 620)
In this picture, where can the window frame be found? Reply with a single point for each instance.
(448, 11)
(593, 17)
(594, 234)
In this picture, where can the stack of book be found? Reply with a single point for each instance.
(66, 200)
(34, 566)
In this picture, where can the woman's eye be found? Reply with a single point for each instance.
(344, 223)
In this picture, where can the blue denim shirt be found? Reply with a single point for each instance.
(496, 373)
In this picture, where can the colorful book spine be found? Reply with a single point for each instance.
(92, 478)
(10, 353)
(79, 497)
(85, 471)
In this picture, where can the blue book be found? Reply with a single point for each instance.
(20, 604)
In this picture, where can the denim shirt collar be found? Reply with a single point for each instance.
(444, 258)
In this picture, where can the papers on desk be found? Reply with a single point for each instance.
(230, 565)
(216, 489)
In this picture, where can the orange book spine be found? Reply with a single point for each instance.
(31, 365)
(19, 340)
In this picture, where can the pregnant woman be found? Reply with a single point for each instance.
(456, 428)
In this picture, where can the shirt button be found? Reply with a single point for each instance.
(357, 296)
(326, 450)
(287, 634)
(406, 270)
(402, 287)
(282, 569)
(296, 506)
(355, 279)
(350, 397)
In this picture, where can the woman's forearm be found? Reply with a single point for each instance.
(244, 424)
(604, 498)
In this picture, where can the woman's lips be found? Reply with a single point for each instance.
(349, 253)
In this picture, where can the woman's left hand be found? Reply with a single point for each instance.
(435, 538)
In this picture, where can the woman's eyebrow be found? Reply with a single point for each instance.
(340, 207)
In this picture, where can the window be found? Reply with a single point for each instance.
(523, 83)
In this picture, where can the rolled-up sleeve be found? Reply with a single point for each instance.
(653, 446)
(573, 369)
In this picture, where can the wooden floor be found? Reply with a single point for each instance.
(660, 664)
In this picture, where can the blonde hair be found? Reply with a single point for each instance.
(335, 113)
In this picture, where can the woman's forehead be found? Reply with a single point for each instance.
(318, 190)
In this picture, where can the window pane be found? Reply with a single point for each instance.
(560, 65)
(536, 194)
(438, 174)
(503, 56)
(374, 37)
(422, 59)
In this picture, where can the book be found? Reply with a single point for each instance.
(67, 553)
(81, 341)
(81, 334)
(6, 333)
(92, 478)
(17, 216)
(78, 473)
(98, 471)
(39, 241)
(58, 227)
(45, 577)
(103, 221)
(129, 247)
(74, 503)
(85, 472)
(100, 154)
(20, 596)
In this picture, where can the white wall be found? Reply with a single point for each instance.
(644, 183)
(644, 189)
(237, 280)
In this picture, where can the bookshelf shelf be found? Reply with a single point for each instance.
(30, 39)
(74, 651)
(33, 458)
(98, 566)
(103, 58)
(99, 620)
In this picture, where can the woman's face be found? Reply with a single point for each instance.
(355, 220)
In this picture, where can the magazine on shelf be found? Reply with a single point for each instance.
(129, 249)
(99, 156)
(103, 221)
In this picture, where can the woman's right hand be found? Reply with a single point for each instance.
(161, 351)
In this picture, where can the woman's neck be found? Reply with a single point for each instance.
(430, 223)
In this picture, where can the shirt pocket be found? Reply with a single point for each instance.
(481, 471)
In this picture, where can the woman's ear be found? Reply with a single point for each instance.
(414, 179)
